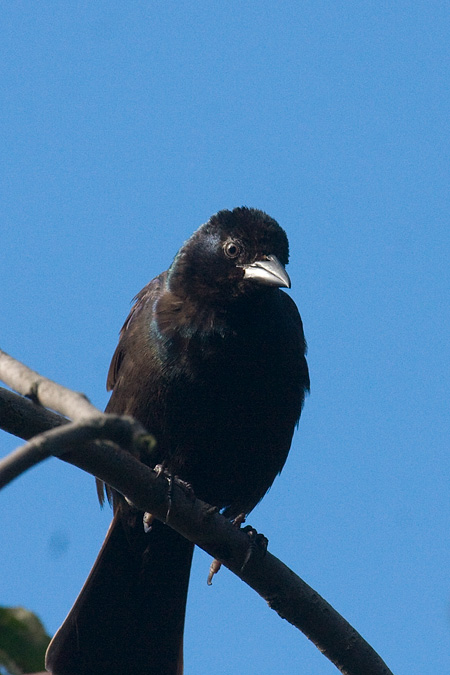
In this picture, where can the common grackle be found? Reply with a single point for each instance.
(211, 360)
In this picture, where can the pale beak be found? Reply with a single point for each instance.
(268, 271)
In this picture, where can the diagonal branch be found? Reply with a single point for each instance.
(42, 390)
(23, 418)
(284, 591)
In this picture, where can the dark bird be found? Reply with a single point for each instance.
(211, 360)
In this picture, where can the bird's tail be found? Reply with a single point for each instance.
(129, 616)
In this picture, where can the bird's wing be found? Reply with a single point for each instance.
(144, 299)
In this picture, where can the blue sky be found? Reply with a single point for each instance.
(123, 128)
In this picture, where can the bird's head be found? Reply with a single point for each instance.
(236, 253)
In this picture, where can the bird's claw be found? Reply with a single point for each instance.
(239, 520)
(216, 564)
(160, 469)
(258, 544)
(213, 569)
(147, 521)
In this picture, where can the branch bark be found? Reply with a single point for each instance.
(199, 522)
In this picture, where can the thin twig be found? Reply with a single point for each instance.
(124, 431)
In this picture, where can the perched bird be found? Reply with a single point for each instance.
(211, 360)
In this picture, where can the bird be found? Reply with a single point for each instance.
(211, 361)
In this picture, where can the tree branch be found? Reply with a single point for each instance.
(44, 391)
(90, 425)
(23, 418)
(199, 522)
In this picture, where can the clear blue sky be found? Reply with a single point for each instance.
(123, 128)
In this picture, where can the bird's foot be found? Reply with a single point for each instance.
(237, 522)
(160, 469)
(216, 564)
(258, 544)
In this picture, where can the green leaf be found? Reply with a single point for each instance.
(23, 641)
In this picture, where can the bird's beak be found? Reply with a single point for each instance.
(268, 271)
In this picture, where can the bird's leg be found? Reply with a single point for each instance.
(216, 564)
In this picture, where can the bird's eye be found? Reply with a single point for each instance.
(232, 249)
